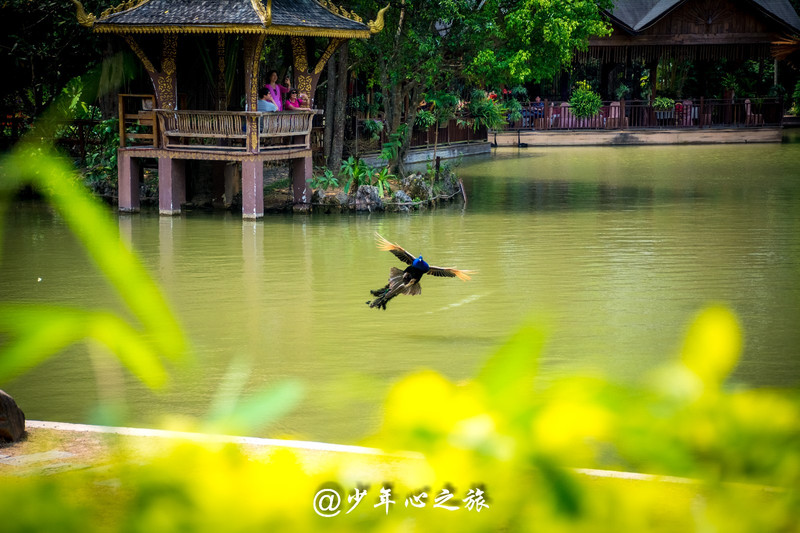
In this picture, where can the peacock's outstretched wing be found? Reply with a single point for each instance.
(450, 272)
(398, 252)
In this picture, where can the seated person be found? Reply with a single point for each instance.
(538, 108)
(265, 101)
(294, 102)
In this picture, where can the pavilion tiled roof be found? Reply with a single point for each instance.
(295, 17)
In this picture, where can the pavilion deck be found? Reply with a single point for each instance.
(173, 137)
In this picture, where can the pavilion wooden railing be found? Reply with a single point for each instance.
(641, 114)
(137, 120)
(228, 131)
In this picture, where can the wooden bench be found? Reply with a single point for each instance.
(227, 130)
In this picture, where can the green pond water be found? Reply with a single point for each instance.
(612, 250)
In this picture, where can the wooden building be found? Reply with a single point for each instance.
(157, 31)
(700, 30)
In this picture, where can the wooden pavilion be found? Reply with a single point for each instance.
(700, 30)
(159, 28)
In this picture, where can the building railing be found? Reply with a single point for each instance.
(641, 114)
(452, 133)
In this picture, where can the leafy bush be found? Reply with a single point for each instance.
(796, 99)
(484, 112)
(584, 102)
(519, 93)
(392, 147)
(623, 91)
(360, 103)
(373, 128)
(382, 178)
(325, 180)
(356, 172)
(514, 110)
(424, 119)
(100, 163)
(663, 103)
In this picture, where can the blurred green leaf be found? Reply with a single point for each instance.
(41, 331)
(260, 409)
(508, 375)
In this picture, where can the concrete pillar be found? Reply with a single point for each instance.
(128, 182)
(252, 188)
(302, 173)
(171, 185)
(233, 182)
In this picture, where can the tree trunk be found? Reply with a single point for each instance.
(337, 145)
(108, 101)
(330, 106)
(414, 94)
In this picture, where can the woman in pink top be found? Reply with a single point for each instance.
(293, 102)
(277, 90)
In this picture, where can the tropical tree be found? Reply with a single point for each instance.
(443, 107)
(42, 48)
(443, 44)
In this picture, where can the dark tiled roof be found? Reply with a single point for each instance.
(781, 10)
(306, 14)
(638, 15)
(187, 12)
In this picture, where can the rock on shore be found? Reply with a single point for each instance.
(12, 419)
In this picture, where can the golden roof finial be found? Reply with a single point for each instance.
(84, 18)
(376, 26)
(264, 12)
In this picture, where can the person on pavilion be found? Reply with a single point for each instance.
(266, 104)
(294, 101)
(277, 90)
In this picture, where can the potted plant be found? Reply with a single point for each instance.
(584, 102)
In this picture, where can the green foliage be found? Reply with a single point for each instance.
(662, 103)
(373, 128)
(519, 93)
(362, 105)
(584, 102)
(532, 40)
(72, 102)
(382, 178)
(482, 111)
(730, 82)
(555, 453)
(425, 119)
(324, 181)
(35, 332)
(356, 173)
(514, 109)
(43, 47)
(396, 140)
(101, 159)
(796, 98)
(622, 91)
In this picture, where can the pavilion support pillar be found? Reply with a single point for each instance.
(252, 188)
(171, 185)
(164, 81)
(128, 182)
(302, 169)
(305, 78)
